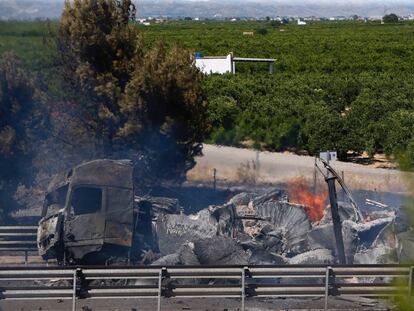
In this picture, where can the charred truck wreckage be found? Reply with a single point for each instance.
(92, 215)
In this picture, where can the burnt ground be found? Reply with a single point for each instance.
(210, 304)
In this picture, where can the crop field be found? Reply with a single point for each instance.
(347, 86)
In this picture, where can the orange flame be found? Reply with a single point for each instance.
(314, 204)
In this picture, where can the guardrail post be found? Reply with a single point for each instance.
(161, 274)
(327, 274)
(74, 291)
(243, 285)
(410, 282)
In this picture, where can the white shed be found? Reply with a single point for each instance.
(226, 64)
(217, 64)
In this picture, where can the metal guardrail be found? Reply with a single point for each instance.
(18, 237)
(21, 239)
(204, 281)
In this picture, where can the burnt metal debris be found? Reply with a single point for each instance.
(92, 215)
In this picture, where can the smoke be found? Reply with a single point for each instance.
(314, 203)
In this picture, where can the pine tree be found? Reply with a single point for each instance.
(130, 102)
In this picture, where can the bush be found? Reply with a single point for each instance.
(262, 31)
(390, 18)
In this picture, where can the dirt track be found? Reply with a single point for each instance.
(274, 168)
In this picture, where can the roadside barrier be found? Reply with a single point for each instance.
(204, 281)
(18, 239)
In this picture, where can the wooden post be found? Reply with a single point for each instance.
(214, 178)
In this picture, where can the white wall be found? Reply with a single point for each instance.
(214, 65)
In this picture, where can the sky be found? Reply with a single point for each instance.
(304, 2)
(354, 2)
(21, 9)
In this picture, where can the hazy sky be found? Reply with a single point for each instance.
(378, 2)
(310, 1)
(21, 9)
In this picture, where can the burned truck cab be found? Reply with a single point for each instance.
(89, 215)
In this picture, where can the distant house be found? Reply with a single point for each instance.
(301, 22)
(248, 33)
(341, 18)
(226, 64)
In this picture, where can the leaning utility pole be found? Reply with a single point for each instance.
(331, 177)
(336, 219)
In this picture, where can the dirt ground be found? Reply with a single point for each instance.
(210, 304)
(235, 165)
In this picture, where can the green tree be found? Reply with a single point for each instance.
(399, 135)
(165, 111)
(324, 130)
(390, 18)
(262, 31)
(276, 23)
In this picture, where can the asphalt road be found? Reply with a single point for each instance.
(210, 304)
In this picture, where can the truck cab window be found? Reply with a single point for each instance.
(86, 200)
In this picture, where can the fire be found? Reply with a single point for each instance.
(314, 204)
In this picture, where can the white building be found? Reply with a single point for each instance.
(301, 22)
(226, 64)
(218, 64)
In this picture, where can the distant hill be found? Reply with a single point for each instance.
(232, 8)
(32, 9)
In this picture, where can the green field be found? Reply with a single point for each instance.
(344, 86)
